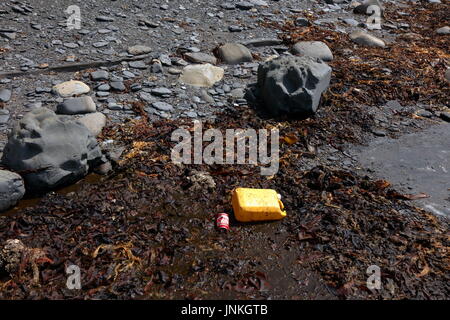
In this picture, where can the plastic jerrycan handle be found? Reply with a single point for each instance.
(280, 202)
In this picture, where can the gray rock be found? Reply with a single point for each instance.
(199, 57)
(147, 97)
(447, 74)
(71, 45)
(163, 106)
(443, 30)
(114, 106)
(5, 95)
(362, 8)
(100, 44)
(237, 93)
(235, 53)
(77, 105)
(95, 122)
(293, 85)
(118, 86)
(139, 49)
(12, 189)
(54, 150)
(138, 65)
(161, 91)
(235, 28)
(244, 5)
(71, 88)
(100, 75)
(365, 39)
(315, 49)
(302, 22)
(104, 168)
(203, 75)
(4, 116)
(350, 21)
(104, 87)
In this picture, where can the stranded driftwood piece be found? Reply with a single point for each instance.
(73, 67)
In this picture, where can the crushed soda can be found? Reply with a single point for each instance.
(223, 221)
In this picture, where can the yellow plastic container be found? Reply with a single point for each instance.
(257, 205)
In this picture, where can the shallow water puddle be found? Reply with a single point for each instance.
(415, 163)
(29, 202)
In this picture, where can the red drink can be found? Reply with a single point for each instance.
(223, 221)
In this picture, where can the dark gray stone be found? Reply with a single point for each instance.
(100, 75)
(118, 86)
(362, 8)
(315, 49)
(293, 85)
(235, 53)
(163, 106)
(54, 150)
(77, 105)
(12, 189)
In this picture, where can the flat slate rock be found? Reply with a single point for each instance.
(139, 49)
(200, 57)
(100, 75)
(162, 106)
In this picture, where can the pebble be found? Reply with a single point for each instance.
(139, 49)
(315, 49)
(161, 92)
(203, 75)
(104, 87)
(235, 53)
(443, 30)
(77, 105)
(365, 39)
(138, 65)
(118, 86)
(5, 95)
(163, 106)
(199, 57)
(95, 122)
(99, 75)
(4, 116)
(71, 88)
(244, 5)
